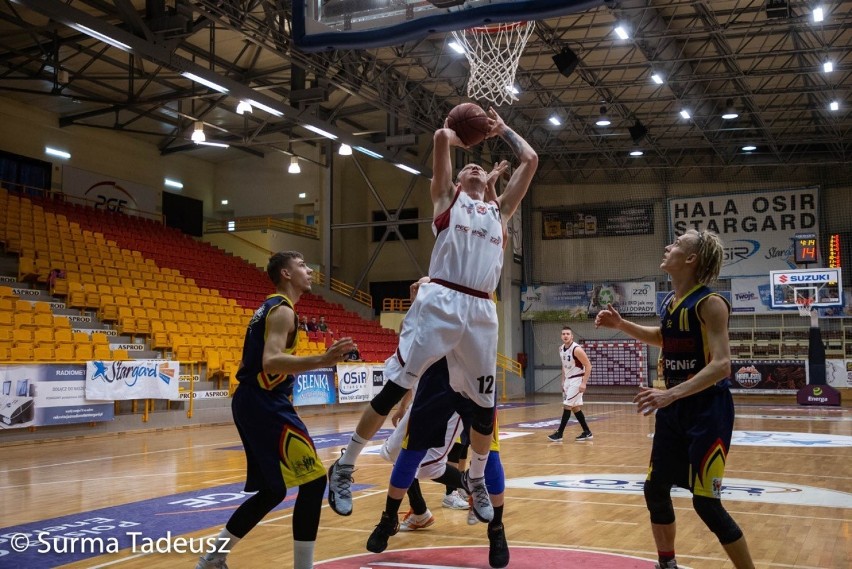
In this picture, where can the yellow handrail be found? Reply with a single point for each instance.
(395, 305)
(345, 289)
(506, 364)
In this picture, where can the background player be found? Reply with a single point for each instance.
(695, 413)
(576, 369)
(265, 417)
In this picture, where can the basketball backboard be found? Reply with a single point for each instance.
(351, 24)
(821, 286)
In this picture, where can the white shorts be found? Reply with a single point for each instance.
(434, 463)
(571, 396)
(445, 322)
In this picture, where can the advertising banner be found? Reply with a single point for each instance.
(768, 376)
(581, 301)
(315, 387)
(757, 228)
(751, 295)
(136, 379)
(110, 193)
(359, 382)
(598, 221)
(41, 395)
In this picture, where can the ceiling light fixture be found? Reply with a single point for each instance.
(320, 131)
(345, 150)
(266, 108)
(749, 148)
(818, 14)
(834, 106)
(303, 195)
(101, 37)
(828, 66)
(56, 152)
(635, 153)
(554, 120)
(205, 82)
(512, 89)
(603, 120)
(294, 165)
(369, 152)
(621, 32)
(243, 107)
(408, 169)
(198, 132)
(685, 114)
(232, 225)
(216, 144)
(169, 183)
(456, 47)
(657, 78)
(224, 202)
(731, 111)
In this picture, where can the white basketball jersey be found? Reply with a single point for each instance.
(570, 366)
(469, 244)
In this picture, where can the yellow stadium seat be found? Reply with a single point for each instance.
(83, 352)
(21, 353)
(101, 352)
(120, 354)
(43, 354)
(64, 353)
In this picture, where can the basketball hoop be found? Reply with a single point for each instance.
(805, 305)
(493, 53)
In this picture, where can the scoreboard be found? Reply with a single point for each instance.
(805, 248)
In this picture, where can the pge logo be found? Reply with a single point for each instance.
(352, 381)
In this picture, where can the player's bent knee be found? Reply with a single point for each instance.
(405, 467)
(717, 519)
(388, 397)
(495, 479)
(658, 499)
(483, 420)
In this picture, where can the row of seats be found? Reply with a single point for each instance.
(63, 238)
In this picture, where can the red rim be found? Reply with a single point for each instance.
(496, 28)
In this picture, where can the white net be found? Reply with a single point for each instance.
(493, 53)
(805, 306)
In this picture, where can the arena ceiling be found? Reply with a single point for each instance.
(710, 55)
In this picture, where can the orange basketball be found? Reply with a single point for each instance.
(469, 122)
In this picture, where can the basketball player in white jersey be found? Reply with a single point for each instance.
(576, 369)
(453, 315)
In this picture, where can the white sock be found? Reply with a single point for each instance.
(303, 554)
(353, 449)
(225, 542)
(477, 464)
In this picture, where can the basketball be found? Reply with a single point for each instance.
(469, 122)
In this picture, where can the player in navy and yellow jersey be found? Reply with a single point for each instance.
(279, 451)
(695, 411)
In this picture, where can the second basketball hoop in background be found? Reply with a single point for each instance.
(469, 122)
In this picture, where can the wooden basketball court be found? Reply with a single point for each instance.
(50, 480)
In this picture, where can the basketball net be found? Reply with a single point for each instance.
(493, 53)
(805, 306)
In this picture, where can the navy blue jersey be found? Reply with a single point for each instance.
(685, 349)
(251, 368)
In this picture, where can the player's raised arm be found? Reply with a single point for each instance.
(521, 178)
(442, 187)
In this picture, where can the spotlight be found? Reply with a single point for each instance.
(603, 120)
(294, 165)
(198, 132)
(834, 106)
(731, 111)
(621, 32)
(243, 107)
(345, 150)
(554, 120)
(566, 61)
(657, 78)
(636, 152)
(828, 66)
(819, 14)
(637, 132)
(749, 148)
(685, 114)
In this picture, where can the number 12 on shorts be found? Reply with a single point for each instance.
(486, 383)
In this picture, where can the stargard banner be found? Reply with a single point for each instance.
(136, 379)
(757, 228)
